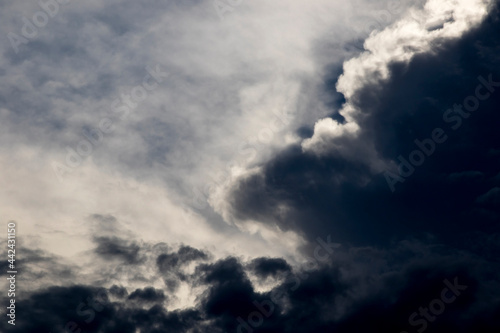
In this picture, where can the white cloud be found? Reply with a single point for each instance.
(399, 42)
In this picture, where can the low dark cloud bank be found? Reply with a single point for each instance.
(415, 287)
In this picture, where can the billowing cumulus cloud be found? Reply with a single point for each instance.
(398, 173)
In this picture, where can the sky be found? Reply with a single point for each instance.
(250, 166)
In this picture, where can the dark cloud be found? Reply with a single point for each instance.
(116, 248)
(118, 291)
(445, 196)
(87, 309)
(230, 293)
(185, 255)
(265, 267)
(360, 289)
(41, 268)
(188, 254)
(343, 298)
(148, 294)
(490, 198)
(171, 264)
(54, 309)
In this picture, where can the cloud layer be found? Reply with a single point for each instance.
(291, 167)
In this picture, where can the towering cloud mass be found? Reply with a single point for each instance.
(415, 153)
(252, 166)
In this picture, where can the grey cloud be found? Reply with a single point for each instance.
(116, 248)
